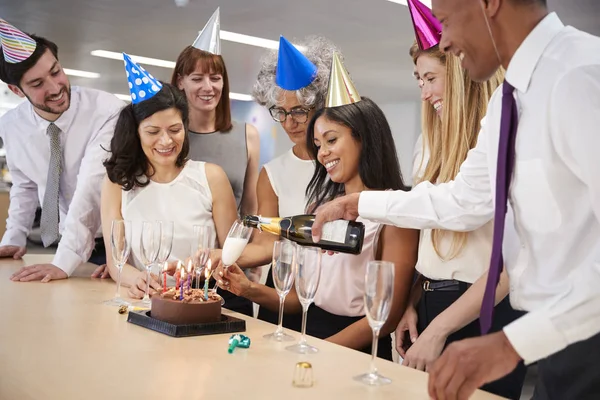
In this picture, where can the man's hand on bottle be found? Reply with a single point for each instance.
(345, 207)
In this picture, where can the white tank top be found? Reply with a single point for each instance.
(474, 258)
(289, 176)
(186, 200)
(342, 284)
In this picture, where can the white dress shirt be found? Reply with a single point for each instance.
(86, 130)
(552, 237)
(471, 262)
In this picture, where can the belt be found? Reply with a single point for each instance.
(450, 285)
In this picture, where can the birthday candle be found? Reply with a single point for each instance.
(177, 275)
(206, 276)
(165, 277)
(182, 283)
(189, 271)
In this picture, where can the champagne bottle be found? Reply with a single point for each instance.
(339, 236)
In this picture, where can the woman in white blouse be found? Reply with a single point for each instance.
(452, 266)
(149, 178)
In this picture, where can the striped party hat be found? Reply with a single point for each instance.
(142, 85)
(16, 45)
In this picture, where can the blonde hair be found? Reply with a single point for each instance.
(450, 139)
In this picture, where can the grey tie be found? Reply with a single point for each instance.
(50, 216)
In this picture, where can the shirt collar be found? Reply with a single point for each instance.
(523, 63)
(65, 120)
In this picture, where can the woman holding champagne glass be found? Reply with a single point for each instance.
(353, 145)
(149, 177)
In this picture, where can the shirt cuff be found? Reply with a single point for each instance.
(14, 238)
(372, 205)
(66, 260)
(534, 337)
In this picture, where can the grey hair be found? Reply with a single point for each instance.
(319, 51)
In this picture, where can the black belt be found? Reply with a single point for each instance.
(450, 285)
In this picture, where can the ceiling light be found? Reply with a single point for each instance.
(403, 2)
(232, 96)
(240, 96)
(82, 74)
(138, 59)
(124, 97)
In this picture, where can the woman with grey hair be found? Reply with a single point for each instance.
(292, 85)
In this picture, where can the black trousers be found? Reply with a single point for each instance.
(98, 255)
(322, 324)
(434, 303)
(572, 373)
(290, 321)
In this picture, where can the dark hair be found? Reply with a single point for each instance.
(12, 74)
(128, 166)
(191, 59)
(378, 163)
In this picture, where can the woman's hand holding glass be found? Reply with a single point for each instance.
(233, 279)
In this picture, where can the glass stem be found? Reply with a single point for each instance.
(147, 294)
(374, 350)
(304, 314)
(280, 324)
(119, 269)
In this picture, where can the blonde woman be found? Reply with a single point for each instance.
(452, 266)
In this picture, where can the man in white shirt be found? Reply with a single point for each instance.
(553, 259)
(54, 147)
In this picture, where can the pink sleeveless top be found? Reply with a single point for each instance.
(342, 283)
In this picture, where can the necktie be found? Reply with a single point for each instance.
(50, 212)
(505, 164)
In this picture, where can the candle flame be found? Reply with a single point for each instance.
(166, 266)
(182, 273)
(179, 264)
(207, 269)
(189, 266)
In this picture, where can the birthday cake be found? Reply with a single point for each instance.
(170, 307)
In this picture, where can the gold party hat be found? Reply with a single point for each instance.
(341, 90)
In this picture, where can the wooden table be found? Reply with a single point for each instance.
(57, 341)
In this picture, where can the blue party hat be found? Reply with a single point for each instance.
(294, 70)
(142, 85)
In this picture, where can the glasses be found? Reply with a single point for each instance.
(282, 269)
(120, 241)
(300, 115)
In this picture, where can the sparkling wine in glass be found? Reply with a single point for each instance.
(165, 246)
(379, 292)
(282, 269)
(308, 274)
(150, 239)
(202, 243)
(234, 245)
(120, 241)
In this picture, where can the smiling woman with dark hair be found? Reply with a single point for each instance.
(148, 173)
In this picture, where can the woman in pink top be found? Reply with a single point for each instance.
(355, 151)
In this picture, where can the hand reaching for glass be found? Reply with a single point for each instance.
(137, 291)
(232, 279)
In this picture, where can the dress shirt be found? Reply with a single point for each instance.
(86, 130)
(551, 243)
(471, 262)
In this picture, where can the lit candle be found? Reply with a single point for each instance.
(189, 271)
(165, 276)
(206, 277)
(182, 283)
(177, 275)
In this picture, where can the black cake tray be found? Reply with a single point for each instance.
(228, 324)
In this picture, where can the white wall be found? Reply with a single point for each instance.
(8, 99)
(405, 120)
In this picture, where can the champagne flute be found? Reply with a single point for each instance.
(149, 249)
(283, 277)
(234, 245)
(308, 274)
(166, 245)
(379, 291)
(200, 251)
(120, 240)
